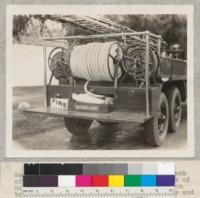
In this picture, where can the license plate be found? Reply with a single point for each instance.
(59, 103)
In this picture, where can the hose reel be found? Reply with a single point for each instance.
(135, 61)
(96, 61)
(58, 62)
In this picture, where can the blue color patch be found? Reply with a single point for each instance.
(148, 180)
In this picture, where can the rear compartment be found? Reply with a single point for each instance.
(129, 104)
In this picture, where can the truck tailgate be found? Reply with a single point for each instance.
(114, 116)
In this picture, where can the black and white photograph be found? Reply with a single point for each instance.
(113, 82)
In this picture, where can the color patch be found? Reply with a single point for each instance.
(165, 180)
(61, 169)
(149, 169)
(48, 181)
(105, 169)
(99, 175)
(116, 181)
(166, 169)
(134, 169)
(90, 169)
(132, 180)
(83, 181)
(100, 180)
(148, 180)
(66, 180)
(31, 169)
(120, 169)
(31, 181)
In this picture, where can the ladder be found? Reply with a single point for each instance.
(100, 25)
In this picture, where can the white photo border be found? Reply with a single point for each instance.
(94, 10)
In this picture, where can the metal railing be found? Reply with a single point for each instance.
(147, 35)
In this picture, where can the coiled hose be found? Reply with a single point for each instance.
(135, 61)
(96, 61)
(58, 62)
(92, 94)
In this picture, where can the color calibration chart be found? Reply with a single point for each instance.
(99, 180)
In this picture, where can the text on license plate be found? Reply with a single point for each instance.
(59, 103)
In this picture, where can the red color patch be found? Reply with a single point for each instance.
(99, 180)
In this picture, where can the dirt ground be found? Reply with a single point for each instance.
(40, 132)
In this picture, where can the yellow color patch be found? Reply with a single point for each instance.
(116, 180)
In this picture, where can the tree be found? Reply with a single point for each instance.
(20, 23)
(23, 23)
(172, 28)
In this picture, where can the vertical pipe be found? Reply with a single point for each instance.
(71, 81)
(147, 75)
(116, 75)
(124, 39)
(116, 79)
(45, 73)
(159, 46)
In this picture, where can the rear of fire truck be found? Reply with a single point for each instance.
(114, 77)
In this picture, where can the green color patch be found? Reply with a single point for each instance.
(132, 180)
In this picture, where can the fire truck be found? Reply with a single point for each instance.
(113, 75)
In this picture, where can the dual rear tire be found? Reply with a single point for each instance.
(175, 108)
(168, 119)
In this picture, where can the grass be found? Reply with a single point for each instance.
(27, 123)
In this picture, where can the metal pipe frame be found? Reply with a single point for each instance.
(159, 46)
(104, 36)
(147, 76)
(57, 41)
(147, 40)
(45, 73)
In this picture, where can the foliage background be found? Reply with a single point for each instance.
(31, 28)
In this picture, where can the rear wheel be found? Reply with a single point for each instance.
(77, 126)
(156, 128)
(175, 109)
(163, 116)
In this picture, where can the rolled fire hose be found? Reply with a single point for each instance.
(92, 94)
(89, 97)
(96, 61)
